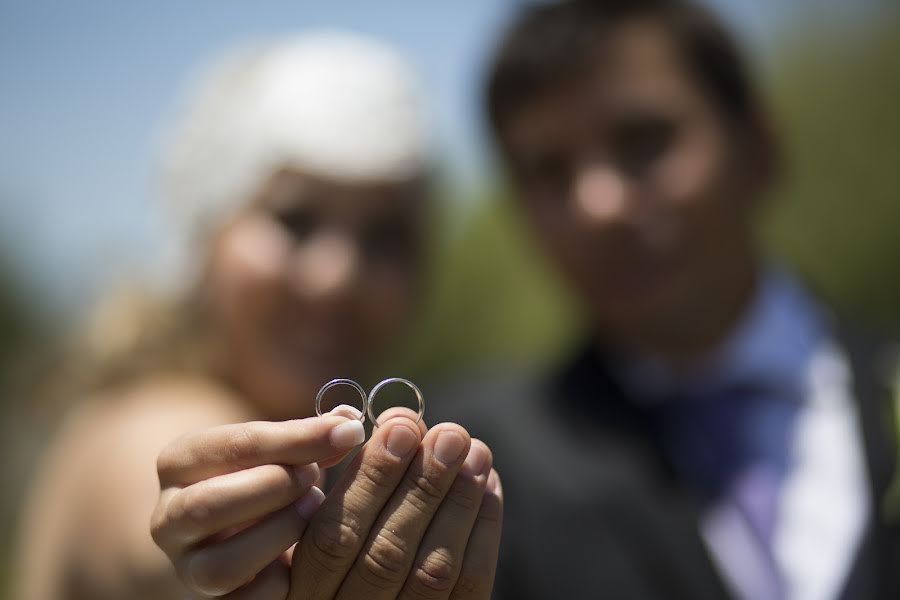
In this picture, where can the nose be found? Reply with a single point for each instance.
(325, 268)
(600, 196)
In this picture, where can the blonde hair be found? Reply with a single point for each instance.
(329, 102)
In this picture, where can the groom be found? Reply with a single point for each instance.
(718, 433)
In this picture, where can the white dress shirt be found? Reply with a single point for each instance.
(823, 497)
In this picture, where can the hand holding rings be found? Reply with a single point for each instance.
(369, 400)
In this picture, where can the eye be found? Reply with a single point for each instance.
(298, 222)
(549, 172)
(640, 143)
(390, 239)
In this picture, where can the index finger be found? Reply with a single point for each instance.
(225, 449)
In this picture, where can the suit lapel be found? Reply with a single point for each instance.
(652, 519)
(874, 573)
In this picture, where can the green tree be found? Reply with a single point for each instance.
(837, 218)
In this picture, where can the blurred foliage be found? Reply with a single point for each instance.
(837, 218)
(18, 327)
(16, 322)
(493, 297)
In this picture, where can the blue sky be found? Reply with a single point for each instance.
(84, 88)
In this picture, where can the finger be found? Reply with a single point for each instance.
(387, 556)
(401, 411)
(272, 583)
(342, 410)
(225, 566)
(476, 578)
(391, 413)
(340, 527)
(211, 506)
(219, 450)
(345, 410)
(440, 557)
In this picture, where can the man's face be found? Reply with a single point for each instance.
(637, 186)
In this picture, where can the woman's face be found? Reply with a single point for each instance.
(313, 282)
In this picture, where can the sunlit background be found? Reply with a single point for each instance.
(85, 89)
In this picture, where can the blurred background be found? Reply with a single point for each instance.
(85, 90)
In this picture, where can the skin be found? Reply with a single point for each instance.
(417, 514)
(644, 194)
(314, 279)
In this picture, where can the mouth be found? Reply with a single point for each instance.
(635, 276)
(312, 350)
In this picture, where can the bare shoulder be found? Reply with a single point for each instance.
(89, 508)
(111, 440)
(192, 402)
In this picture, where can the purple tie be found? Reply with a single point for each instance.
(732, 448)
(738, 530)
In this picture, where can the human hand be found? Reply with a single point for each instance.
(235, 499)
(417, 514)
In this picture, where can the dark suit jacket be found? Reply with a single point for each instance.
(592, 507)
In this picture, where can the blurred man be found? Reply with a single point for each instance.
(717, 435)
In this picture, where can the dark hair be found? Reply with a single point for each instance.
(549, 43)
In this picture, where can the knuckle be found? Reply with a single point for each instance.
(377, 475)
(426, 489)
(243, 446)
(159, 527)
(335, 542)
(472, 584)
(168, 461)
(169, 525)
(385, 562)
(491, 512)
(210, 576)
(463, 498)
(194, 508)
(434, 576)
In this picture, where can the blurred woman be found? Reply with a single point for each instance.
(298, 177)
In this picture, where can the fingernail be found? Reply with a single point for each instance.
(346, 410)
(476, 461)
(493, 484)
(401, 440)
(310, 502)
(307, 474)
(449, 447)
(347, 435)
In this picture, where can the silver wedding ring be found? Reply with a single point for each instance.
(359, 389)
(409, 384)
(369, 401)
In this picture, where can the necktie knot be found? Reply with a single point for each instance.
(714, 437)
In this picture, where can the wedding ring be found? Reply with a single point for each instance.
(409, 384)
(351, 383)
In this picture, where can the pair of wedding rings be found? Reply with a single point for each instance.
(369, 399)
